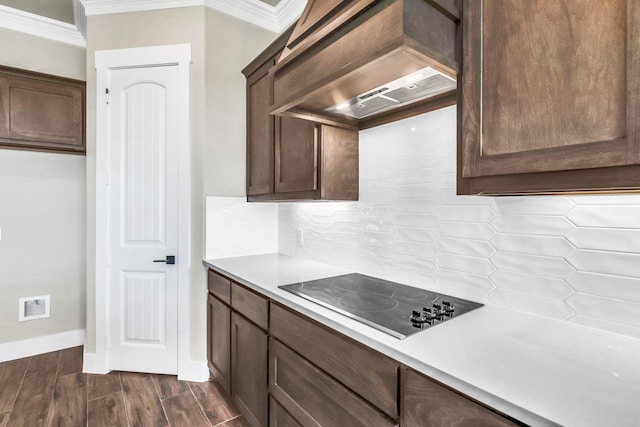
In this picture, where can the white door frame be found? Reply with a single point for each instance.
(105, 61)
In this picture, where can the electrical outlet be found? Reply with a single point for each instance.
(300, 237)
(31, 308)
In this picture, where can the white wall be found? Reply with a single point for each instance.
(42, 211)
(575, 259)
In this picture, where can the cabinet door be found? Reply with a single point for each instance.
(249, 361)
(259, 132)
(426, 403)
(41, 112)
(297, 154)
(219, 342)
(279, 417)
(548, 87)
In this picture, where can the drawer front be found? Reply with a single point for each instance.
(426, 403)
(279, 417)
(314, 398)
(219, 286)
(251, 305)
(368, 373)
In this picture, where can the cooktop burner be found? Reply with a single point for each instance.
(399, 310)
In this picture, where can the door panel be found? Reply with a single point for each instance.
(297, 154)
(143, 211)
(545, 86)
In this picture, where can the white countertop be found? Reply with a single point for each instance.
(539, 371)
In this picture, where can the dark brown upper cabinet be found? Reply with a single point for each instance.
(41, 112)
(290, 158)
(361, 63)
(549, 97)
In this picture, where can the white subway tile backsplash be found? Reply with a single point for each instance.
(614, 216)
(611, 310)
(574, 258)
(608, 239)
(542, 306)
(530, 244)
(550, 287)
(604, 285)
(532, 264)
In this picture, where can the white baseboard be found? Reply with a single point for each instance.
(194, 370)
(39, 345)
(94, 363)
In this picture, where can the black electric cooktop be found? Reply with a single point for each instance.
(399, 310)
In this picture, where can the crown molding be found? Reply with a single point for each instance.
(80, 18)
(104, 7)
(40, 26)
(272, 18)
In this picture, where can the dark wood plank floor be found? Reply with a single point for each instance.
(51, 390)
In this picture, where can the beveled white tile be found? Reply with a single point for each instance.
(419, 220)
(606, 239)
(414, 205)
(604, 285)
(616, 263)
(605, 309)
(416, 176)
(547, 307)
(533, 224)
(376, 238)
(415, 263)
(374, 224)
(415, 234)
(466, 213)
(530, 244)
(532, 264)
(416, 161)
(530, 284)
(425, 250)
(607, 199)
(613, 216)
(417, 191)
(468, 247)
(533, 205)
(465, 230)
(465, 264)
(471, 282)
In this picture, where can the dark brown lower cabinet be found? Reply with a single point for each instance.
(219, 341)
(279, 417)
(426, 403)
(312, 397)
(249, 388)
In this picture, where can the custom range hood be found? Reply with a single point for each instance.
(361, 63)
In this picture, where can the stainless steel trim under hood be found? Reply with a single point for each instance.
(369, 62)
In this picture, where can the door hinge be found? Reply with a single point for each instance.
(107, 96)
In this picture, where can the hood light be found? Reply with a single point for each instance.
(414, 78)
(342, 106)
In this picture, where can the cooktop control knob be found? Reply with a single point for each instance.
(416, 317)
(428, 313)
(448, 306)
(437, 308)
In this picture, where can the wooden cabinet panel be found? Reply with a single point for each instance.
(249, 386)
(219, 286)
(426, 403)
(219, 341)
(279, 417)
(260, 132)
(549, 87)
(366, 372)
(313, 397)
(339, 170)
(252, 306)
(313, 16)
(296, 155)
(41, 112)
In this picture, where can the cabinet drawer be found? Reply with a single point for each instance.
(219, 286)
(425, 403)
(279, 417)
(314, 398)
(251, 305)
(368, 373)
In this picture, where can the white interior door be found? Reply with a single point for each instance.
(143, 219)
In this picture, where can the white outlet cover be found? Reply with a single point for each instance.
(31, 308)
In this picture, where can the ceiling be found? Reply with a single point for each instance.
(61, 10)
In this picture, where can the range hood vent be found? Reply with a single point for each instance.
(358, 63)
(417, 86)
